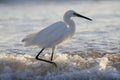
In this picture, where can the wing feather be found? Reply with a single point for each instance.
(50, 36)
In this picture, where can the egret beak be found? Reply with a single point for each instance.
(78, 15)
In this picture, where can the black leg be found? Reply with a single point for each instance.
(52, 56)
(37, 57)
(52, 53)
(39, 53)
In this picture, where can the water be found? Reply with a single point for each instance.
(95, 54)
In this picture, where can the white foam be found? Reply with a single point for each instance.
(72, 67)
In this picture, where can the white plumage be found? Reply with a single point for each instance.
(48, 37)
(54, 34)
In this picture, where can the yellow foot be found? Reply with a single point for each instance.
(53, 63)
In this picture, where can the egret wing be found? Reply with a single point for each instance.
(50, 36)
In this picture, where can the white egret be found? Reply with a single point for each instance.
(54, 34)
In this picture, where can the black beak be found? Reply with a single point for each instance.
(78, 15)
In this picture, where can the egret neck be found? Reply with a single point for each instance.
(70, 25)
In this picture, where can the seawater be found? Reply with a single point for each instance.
(95, 54)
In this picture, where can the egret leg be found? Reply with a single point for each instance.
(52, 53)
(39, 53)
(37, 57)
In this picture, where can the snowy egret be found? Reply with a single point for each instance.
(54, 34)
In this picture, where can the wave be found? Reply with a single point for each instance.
(92, 66)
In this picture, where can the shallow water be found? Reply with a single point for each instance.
(95, 54)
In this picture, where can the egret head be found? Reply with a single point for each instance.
(72, 13)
